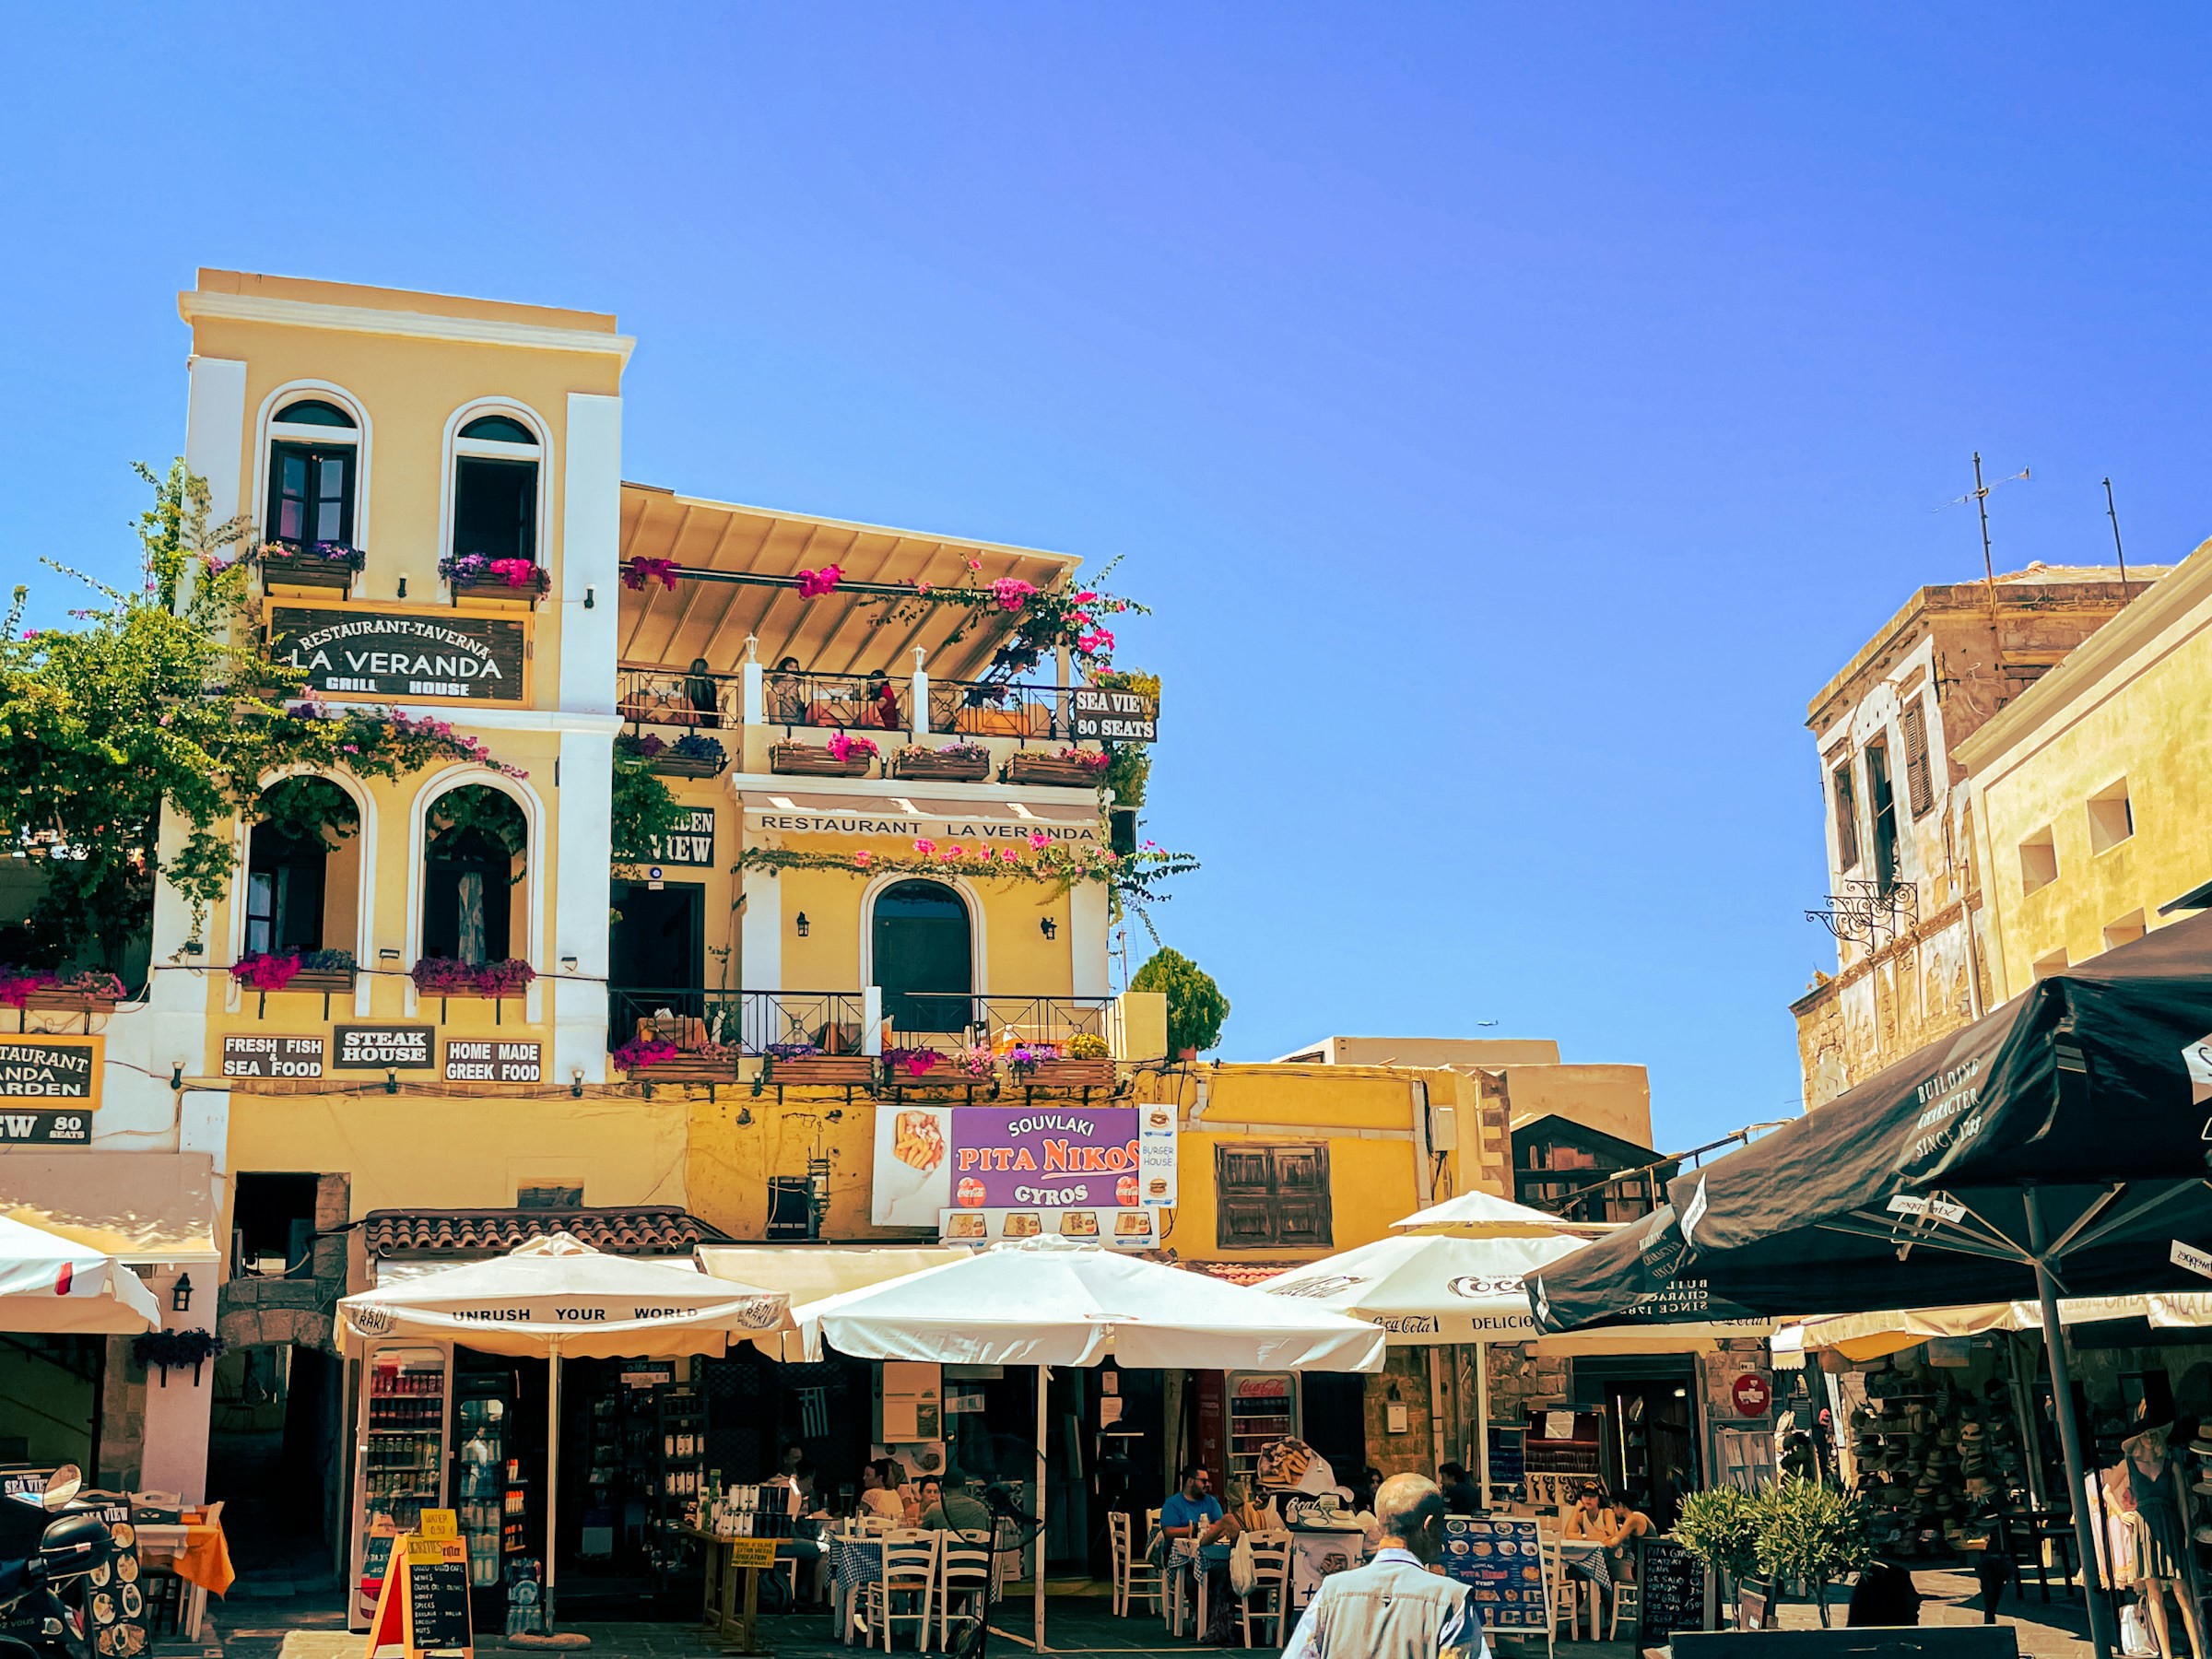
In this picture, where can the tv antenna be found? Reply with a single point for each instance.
(2113, 514)
(1979, 496)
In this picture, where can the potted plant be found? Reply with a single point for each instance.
(949, 763)
(162, 1350)
(656, 1060)
(1072, 768)
(1195, 1005)
(493, 580)
(694, 755)
(328, 971)
(442, 977)
(1813, 1536)
(1061, 1066)
(800, 1064)
(1721, 1527)
(309, 568)
(844, 756)
(35, 989)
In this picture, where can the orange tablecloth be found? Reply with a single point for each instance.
(205, 1561)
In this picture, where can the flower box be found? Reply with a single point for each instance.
(939, 767)
(828, 1071)
(1027, 766)
(689, 766)
(322, 982)
(688, 1068)
(492, 587)
(1066, 1074)
(306, 572)
(52, 999)
(812, 760)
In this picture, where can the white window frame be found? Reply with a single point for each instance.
(455, 446)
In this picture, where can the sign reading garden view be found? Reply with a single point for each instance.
(362, 653)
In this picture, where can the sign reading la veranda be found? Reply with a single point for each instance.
(401, 654)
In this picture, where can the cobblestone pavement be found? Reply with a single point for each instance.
(313, 1626)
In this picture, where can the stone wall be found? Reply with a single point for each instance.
(255, 1311)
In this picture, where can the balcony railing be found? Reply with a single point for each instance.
(655, 696)
(748, 1023)
(794, 698)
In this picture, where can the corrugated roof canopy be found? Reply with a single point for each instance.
(840, 632)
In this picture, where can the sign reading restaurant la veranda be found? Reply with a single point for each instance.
(401, 654)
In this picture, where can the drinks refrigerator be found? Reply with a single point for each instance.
(1262, 1408)
(399, 1456)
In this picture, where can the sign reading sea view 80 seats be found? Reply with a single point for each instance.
(402, 654)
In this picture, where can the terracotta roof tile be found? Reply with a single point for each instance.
(1241, 1273)
(644, 1229)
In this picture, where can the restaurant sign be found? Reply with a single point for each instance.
(62, 1071)
(46, 1128)
(273, 1056)
(1115, 716)
(1033, 1161)
(348, 653)
(689, 840)
(386, 1047)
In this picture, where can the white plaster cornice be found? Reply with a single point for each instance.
(194, 305)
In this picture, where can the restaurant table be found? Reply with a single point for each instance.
(198, 1553)
(725, 1613)
(1585, 1558)
(853, 1562)
(1186, 1558)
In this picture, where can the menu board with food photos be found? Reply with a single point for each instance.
(114, 1599)
(1674, 1589)
(1500, 1559)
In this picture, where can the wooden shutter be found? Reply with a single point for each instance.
(1271, 1194)
(1919, 788)
(1301, 1196)
(1847, 817)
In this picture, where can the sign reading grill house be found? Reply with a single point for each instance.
(382, 653)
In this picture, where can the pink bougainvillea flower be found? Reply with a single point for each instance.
(1095, 643)
(955, 850)
(813, 584)
(1012, 593)
(975, 564)
(1039, 840)
(926, 846)
(864, 858)
(1087, 598)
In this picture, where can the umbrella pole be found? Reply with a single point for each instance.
(552, 1467)
(2069, 1432)
(1482, 1417)
(1037, 1594)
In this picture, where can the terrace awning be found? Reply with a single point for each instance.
(840, 632)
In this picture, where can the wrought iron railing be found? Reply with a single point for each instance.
(976, 1019)
(746, 1022)
(998, 709)
(790, 697)
(664, 697)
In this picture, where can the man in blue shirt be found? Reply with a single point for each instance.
(1396, 1607)
(1193, 1508)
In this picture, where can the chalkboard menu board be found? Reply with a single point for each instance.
(437, 1595)
(1674, 1590)
(1500, 1559)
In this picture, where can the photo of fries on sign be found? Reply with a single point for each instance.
(1074, 1171)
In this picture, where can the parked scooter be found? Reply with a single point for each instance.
(45, 1559)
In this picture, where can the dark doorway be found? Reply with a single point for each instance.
(469, 877)
(657, 952)
(1655, 1444)
(276, 1450)
(923, 960)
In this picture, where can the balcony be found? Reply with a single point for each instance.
(783, 721)
(715, 1033)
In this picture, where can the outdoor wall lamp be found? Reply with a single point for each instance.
(179, 1297)
(176, 1074)
(387, 956)
(801, 925)
(567, 964)
(576, 1082)
(391, 1081)
(403, 587)
(1048, 927)
(590, 598)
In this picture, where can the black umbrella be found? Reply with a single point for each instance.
(2057, 1147)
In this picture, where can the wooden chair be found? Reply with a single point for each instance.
(910, 1568)
(1271, 1586)
(1561, 1589)
(1628, 1598)
(963, 1570)
(1135, 1578)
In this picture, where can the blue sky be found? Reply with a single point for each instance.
(1512, 414)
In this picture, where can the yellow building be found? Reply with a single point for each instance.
(2092, 802)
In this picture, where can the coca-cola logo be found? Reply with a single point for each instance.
(1321, 1286)
(1479, 1287)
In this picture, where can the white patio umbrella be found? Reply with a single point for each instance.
(1487, 1215)
(557, 1296)
(1048, 1301)
(1431, 1289)
(50, 1284)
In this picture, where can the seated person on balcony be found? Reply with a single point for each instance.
(703, 694)
(883, 702)
(786, 694)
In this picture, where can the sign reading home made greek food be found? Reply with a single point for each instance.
(1036, 1160)
(273, 1056)
(1115, 716)
(384, 1047)
(63, 1070)
(380, 655)
(487, 1060)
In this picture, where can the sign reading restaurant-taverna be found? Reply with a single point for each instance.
(402, 654)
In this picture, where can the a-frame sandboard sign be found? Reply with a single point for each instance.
(423, 1606)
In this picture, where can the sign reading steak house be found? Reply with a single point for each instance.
(402, 655)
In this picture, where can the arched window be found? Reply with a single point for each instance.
(312, 460)
(301, 824)
(494, 490)
(477, 850)
(923, 956)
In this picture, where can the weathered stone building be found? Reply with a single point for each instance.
(1904, 894)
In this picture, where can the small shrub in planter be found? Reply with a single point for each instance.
(952, 763)
(1196, 1006)
(442, 976)
(1087, 1045)
(1812, 1534)
(1071, 767)
(474, 573)
(320, 565)
(307, 970)
(37, 988)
